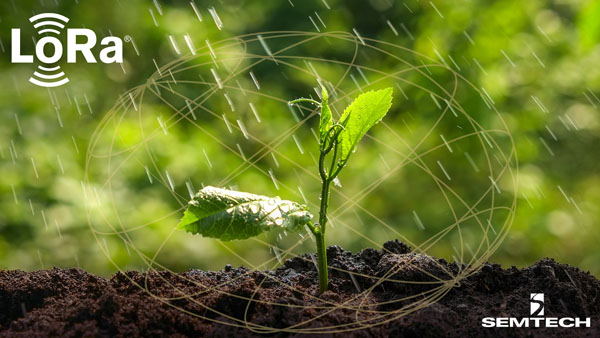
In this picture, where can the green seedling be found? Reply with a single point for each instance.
(230, 215)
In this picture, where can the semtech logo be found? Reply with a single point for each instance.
(50, 26)
(536, 319)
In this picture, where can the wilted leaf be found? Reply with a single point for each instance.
(228, 215)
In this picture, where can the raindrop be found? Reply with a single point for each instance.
(538, 60)
(571, 121)
(451, 108)
(149, 175)
(84, 190)
(190, 187)
(392, 27)
(453, 62)
(216, 18)
(564, 193)
(44, 218)
(60, 123)
(153, 17)
(275, 160)
(446, 143)
(468, 37)
(254, 112)
(435, 101)
(527, 200)
(18, 124)
(418, 220)
(508, 58)
(211, 51)
(302, 195)
(196, 11)
(170, 180)
(277, 255)
(174, 44)
(158, 8)
(298, 144)
(495, 184)
(359, 37)
(320, 20)
(356, 82)
(314, 24)
(362, 74)
(576, 206)
(387, 167)
(12, 187)
(77, 105)
(127, 247)
(266, 47)
(488, 95)
(273, 179)
(217, 79)
(229, 102)
(551, 133)
(492, 227)
(157, 69)
(479, 65)
(407, 32)
(436, 9)
(190, 44)
(227, 124)
(40, 257)
(162, 125)
(172, 77)
(189, 106)
(31, 207)
(34, 168)
(471, 162)
(60, 166)
(546, 146)
(354, 281)
(255, 81)
(207, 159)
(441, 57)
(241, 151)
(242, 128)
(444, 170)
(58, 228)
(133, 101)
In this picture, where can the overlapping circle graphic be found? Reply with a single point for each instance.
(222, 107)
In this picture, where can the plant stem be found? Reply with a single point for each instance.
(322, 261)
(320, 236)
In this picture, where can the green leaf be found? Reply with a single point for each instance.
(228, 215)
(326, 121)
(360, 116)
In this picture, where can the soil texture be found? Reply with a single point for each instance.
(373, 293)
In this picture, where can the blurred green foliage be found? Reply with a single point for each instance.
(535, 59)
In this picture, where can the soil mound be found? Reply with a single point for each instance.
(372, 293)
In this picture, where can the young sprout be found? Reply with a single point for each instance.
(229, 215)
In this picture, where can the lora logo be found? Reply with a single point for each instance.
(49, 49)
(536, 319)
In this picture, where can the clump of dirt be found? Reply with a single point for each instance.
(388, 292)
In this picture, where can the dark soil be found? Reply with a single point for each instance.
(238, 302)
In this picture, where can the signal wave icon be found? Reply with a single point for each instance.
(49, 75)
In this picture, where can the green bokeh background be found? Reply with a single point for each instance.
(522, 52)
